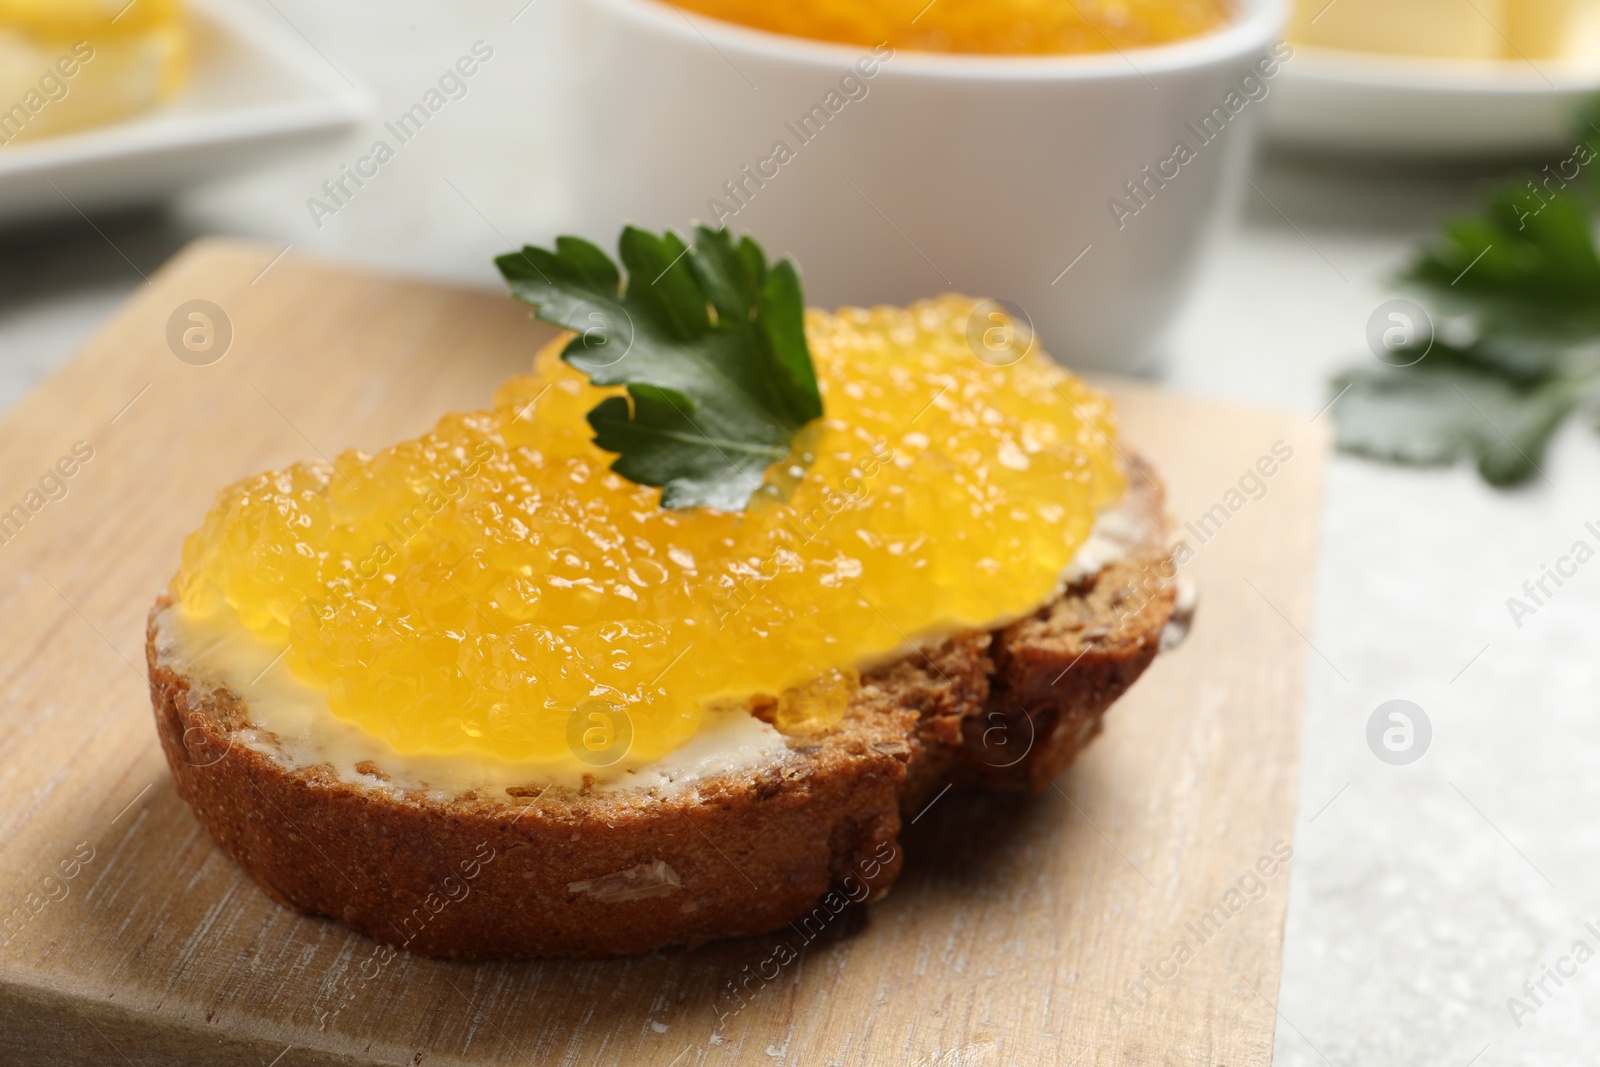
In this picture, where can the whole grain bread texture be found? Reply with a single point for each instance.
(585, 872)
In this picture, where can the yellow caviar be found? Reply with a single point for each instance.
(486, 586)
(1004, 27)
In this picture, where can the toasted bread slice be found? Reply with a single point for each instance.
(555, 871)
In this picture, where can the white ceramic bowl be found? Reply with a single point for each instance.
(925, 173)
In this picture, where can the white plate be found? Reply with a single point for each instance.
(1399, 105)
(256, 90)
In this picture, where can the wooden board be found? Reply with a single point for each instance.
(1023, 931)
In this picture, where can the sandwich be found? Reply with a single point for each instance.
(669, 642)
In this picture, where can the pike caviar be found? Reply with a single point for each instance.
(486, 585)
(996, 27)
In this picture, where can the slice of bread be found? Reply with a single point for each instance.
(556, 871)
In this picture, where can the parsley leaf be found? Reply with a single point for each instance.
(1448, 407)
(1524, 275)
(1520, 284)
(709, 340)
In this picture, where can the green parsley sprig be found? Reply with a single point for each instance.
(709, 340)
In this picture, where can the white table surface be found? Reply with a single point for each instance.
(1422, 896)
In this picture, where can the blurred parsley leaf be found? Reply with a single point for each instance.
(1525, 276)
(709, 340)
(1448, 407)
(1522, 280)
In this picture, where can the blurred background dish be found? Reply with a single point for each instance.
(1079, 190)
(1437, 77)
(104, 111)
(71, 64)
(1525, 30)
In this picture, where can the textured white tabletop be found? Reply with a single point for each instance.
(1423, 896)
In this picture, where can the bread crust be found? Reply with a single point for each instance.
(585, 873)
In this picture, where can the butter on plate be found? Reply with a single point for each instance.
(1553, 29)
(1457, 29)
(70, 64)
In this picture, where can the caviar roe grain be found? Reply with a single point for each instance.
(467, 590)
(1004, 27)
